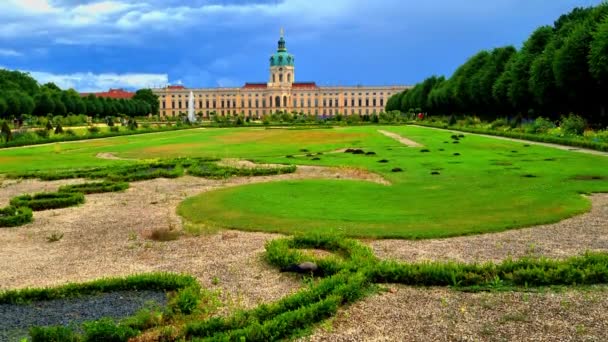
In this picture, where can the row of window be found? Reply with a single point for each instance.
(301, 103)
(256, 95)
(258, 112)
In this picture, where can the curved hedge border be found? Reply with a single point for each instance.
(349, 275)
(48, 200)
(184, 293)
(524, 136)
(12, 216)
(95, 188)
(354, 270)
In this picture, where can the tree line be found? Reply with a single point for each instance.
(21, 94)
(560, 69)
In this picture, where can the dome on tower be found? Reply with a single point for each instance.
(282, 57)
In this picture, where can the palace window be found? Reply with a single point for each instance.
(360, 102)
(309, 102)
(249, 102)
(366, 103)
(295, 103)
(288, 77)
(330, 102)
(179, 104)
(200, 104)
(301, 102)
(207, 104)
(352, 102)
(381, 102)
(214, 104)
(281, 77)
(374, 101)
(337, 103)
(345, 103)
(223, 103)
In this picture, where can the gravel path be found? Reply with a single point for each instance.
(530, 142)
(15, 320)
(439, 314)
(404, 141)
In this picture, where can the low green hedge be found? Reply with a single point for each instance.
(48, 200)
(215, 171)
(12, 216)
(95, 188)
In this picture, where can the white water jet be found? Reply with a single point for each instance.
(191, 116)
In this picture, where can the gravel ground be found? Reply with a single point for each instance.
(566, 238)
(439, 314)
(15, 320)
(108, 237)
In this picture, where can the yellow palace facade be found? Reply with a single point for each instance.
(280, 94)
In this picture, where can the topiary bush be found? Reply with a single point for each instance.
(58, 129)
(48, 200)
(12, 216)
(95, 188)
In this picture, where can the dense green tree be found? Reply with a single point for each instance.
(150, 98)
(3, 108)
(44, 104)
(598, 56)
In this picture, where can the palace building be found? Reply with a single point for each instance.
(280, 94)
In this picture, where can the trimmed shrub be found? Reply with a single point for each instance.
(12, 216)
(93, 129)
(48, 200)
(58, 129)
(397, 169)
(95, 188)
(5, 132)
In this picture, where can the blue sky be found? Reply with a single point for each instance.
(94, 45)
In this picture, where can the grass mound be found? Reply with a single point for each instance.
(48, 200)
(12, 216)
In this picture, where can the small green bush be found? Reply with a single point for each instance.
(186, 301)
(114, 129)
(12, 216)
(93, 129)
(95, 188)
(52, 334)
(42, 133)
(573, 124)
(48, 200)
(49, 125)
(5, 132)
(107, 330)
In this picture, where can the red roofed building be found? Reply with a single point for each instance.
(280, 94)
(113, 94)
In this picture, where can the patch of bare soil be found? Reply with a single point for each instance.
(573, 236)
(110, 156)
(439, 314)
(404, 141)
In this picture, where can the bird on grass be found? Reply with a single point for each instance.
(305, 267)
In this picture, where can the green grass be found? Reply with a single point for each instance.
(492, 185)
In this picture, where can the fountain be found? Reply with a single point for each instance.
(191, 116)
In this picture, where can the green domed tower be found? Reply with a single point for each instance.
(282, 66)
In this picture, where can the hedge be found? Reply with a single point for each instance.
(12, 216)
(48, 200)
(95, 188)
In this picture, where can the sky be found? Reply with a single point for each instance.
(94, 45)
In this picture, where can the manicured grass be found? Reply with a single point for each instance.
(482, 185)
(478, 185)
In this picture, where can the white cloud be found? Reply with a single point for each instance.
(104, 21)
(89, 82)
(10, 53)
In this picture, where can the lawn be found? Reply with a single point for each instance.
(491, 185)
